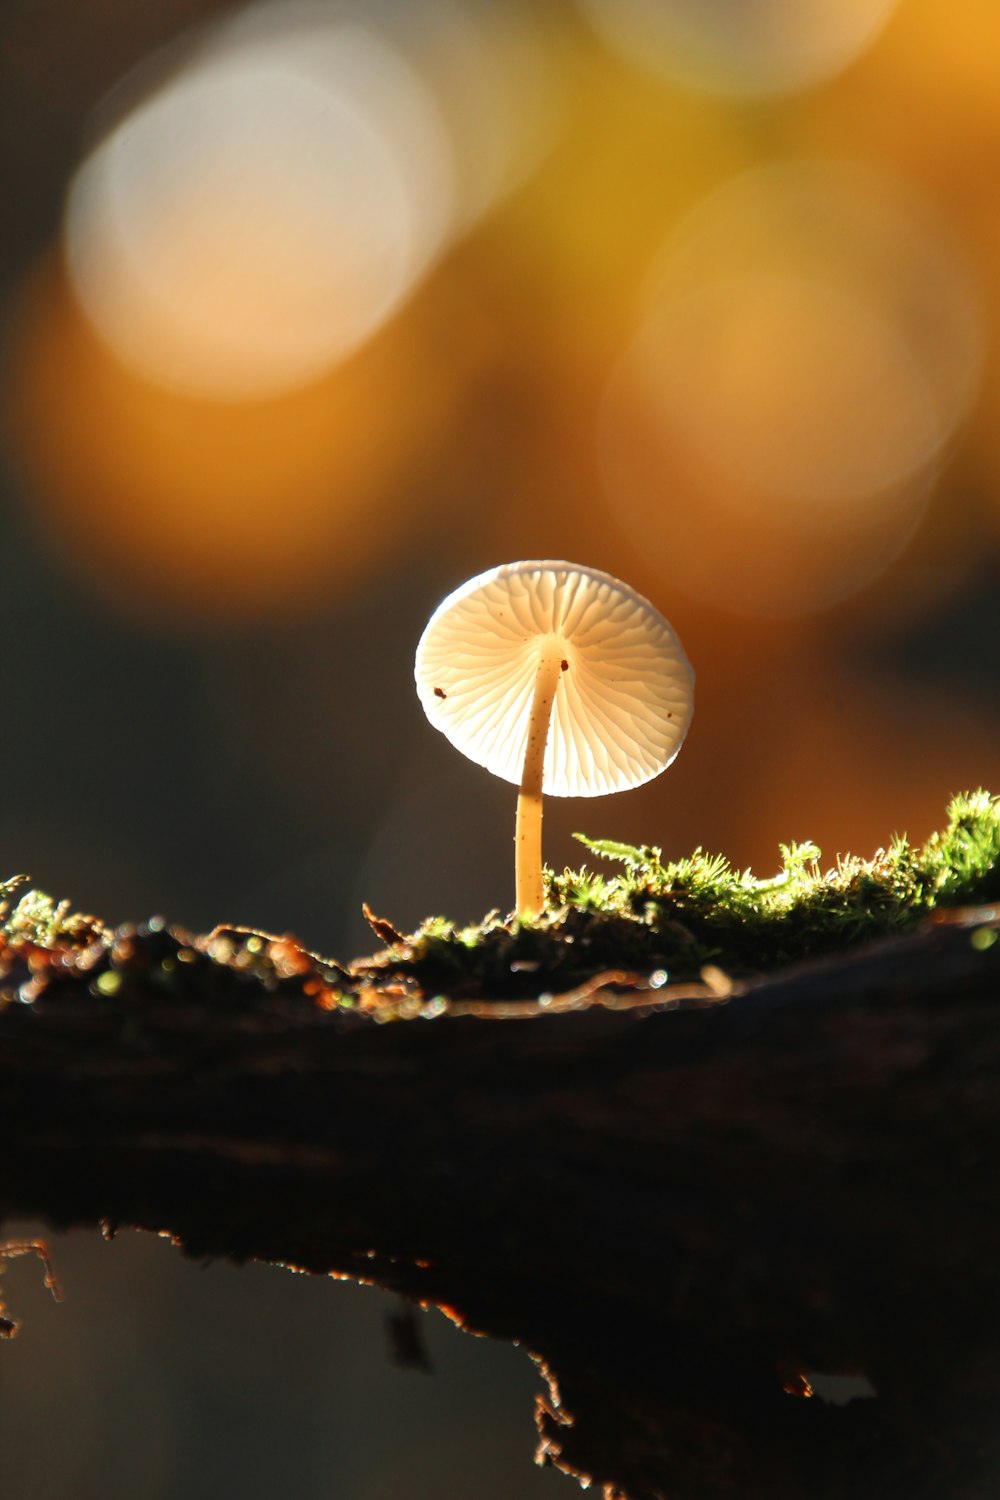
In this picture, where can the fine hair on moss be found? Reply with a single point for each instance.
(680, 915)
(673, 917)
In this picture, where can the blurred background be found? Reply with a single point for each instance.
(312, 311)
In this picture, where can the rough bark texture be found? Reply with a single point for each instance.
(681, 1210)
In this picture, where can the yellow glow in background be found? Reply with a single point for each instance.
(662, 288)
(313, 311)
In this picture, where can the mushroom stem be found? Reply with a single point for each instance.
(528, 830)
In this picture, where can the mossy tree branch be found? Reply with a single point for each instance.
(681, 1204)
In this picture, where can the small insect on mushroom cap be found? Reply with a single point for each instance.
(625, 694)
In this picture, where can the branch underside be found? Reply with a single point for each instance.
(679, 1211)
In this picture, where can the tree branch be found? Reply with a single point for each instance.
(681, 1205)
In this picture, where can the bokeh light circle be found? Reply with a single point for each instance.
(191, 512)
(496, 73)
(809, 342)
(800, 389)
(741, 47)
(263, 210)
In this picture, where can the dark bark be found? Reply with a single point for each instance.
(680, 1209)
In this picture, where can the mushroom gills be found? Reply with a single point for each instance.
(488, 668)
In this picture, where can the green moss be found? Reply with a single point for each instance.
(30, 916)
(683, 914)
(735, 917)
(647, 914)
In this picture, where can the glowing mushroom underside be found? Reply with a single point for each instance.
(560, 665)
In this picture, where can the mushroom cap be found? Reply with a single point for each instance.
(624, 698)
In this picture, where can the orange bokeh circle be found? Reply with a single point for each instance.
(184, 506)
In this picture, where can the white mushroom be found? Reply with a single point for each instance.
(560, 679)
